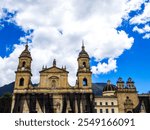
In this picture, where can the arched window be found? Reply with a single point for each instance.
(23, 64)
(53, 84)
(84, 82)
(84, 64)
(112, 110)
(107, 111)
(21, 82)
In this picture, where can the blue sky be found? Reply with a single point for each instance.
(135, 62)
(127, 49)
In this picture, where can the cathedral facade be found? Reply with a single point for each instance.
(54, 94)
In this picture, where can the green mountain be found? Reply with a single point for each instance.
(7, 88)
(96, 87)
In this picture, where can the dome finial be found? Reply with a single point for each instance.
(83, 47)
(108, 82)
(26, 46)
(83, 53)
(54, 62)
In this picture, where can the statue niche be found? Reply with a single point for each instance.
(128, 105)
(54, 82)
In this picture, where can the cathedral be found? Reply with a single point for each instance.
(53, 94)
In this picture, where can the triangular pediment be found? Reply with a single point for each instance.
(53, 70)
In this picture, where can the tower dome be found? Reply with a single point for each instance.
(26, 52)
(120, 83)
(83, 53)
(109, 87)
(120, 80)
(130, 83)
(25, 60)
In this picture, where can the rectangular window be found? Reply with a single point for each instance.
(100, 103)
(107, 111)
(106, 103)
(95, 110)
(95, 103)
(112, 103)
(101, 110)
(112, 110)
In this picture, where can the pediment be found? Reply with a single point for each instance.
(54, 70)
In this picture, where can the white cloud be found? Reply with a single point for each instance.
(104, 67)
(9, 65)
(132, 5)
(145, 30)
(142, 18)
(94, 21)
(139, 30)
(1, 26)
(146, 36)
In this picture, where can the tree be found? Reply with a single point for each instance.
(5, 103)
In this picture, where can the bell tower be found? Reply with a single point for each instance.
(84, 73)
(23, 73)
(120, 83)
(130, 83)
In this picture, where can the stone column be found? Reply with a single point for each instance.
(76, 105)
(68, 106)
(61, 103)
(25, 105)
(13, 103)
(38, 108)
(81, 105)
